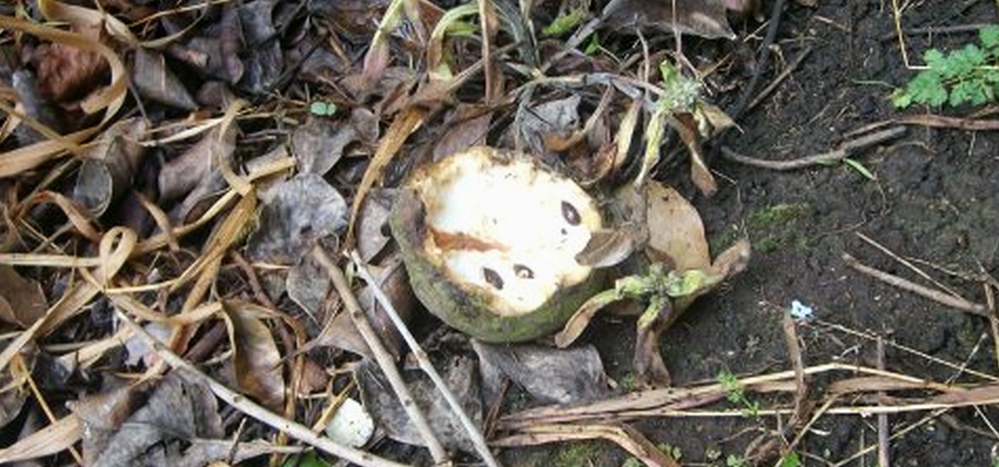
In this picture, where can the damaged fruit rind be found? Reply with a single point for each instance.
(474, 306)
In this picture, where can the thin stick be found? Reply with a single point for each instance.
(780, 78)
(884, 451)
(904, 284)
(381, 355)
(252, 409)
(907, 264)
(421, 357)
(990, 301)
(825, 158)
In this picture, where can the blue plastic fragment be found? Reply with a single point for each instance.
(801, 311)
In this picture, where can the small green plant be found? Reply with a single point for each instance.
(734, 460)
(966, 75)
(322, 108)
(790, 459)
(737, 394)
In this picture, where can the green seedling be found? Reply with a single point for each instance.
(737, 394)
(322, 109)
(969, 75)
(568, 21)
(734, 460)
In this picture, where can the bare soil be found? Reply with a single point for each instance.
(936, 199)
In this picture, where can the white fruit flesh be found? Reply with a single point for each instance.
(509, 230)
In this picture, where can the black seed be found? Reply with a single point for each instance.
(493, 278)
(523, 272)
(570, 213)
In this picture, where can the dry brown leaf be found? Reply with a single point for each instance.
(560, 376)
(301, 211)
(110, 166)
(705, 18)
(154, 80)
(392, 278)
(110, 98)
(67, 73)
(115, 248)
(459, 375)
(686, 127)
(255, 357)
(405, 124)
(22, 301)
(676, 232)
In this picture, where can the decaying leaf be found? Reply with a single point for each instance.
(181, 175)
(108, 170)
(22, 301)
(67, 73)
(178, 411)
(264, 65)
(301, 211)
(372, 225)
(306, 287)
(256, 358)
(392, 279)
(319, 143)
(554, 117)
(550, 375)
(154, 80)
(687, 128)
(705, 18)
(459, 375)
(676, 233)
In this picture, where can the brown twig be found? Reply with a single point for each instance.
(836, 155)
(884, 450)
(474, 435)
(907, 264)
(780, 78)
(252, 409)
(382, 356)
(904, 284)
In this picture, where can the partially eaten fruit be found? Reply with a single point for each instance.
(490, 239)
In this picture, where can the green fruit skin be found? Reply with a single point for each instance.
(469, 312)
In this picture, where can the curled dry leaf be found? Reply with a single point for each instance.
(192, 168)
(704, 18)
(264, 65)
(676, 233)
(320, 143)
(109, 168)
(154, 80)
(459, 375)
(301, 211)
(255, 357)
(67, 73)
(22, 301)
(394, 282)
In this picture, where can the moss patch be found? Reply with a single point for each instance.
(778, 227)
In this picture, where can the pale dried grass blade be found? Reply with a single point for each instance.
(115, 248)
(110, 98)
(50, 440)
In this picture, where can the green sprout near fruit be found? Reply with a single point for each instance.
(736, 394)
(969, 75)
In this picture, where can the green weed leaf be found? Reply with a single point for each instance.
(968, 75)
